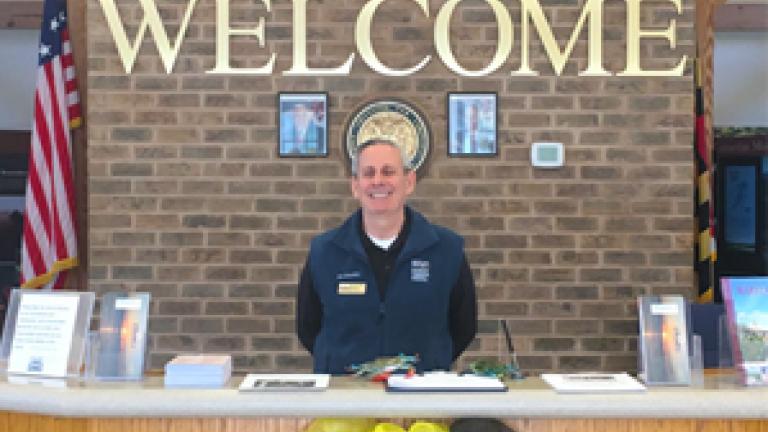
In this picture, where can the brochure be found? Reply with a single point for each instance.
(122, 335)
(593, 383)
(746, 305)
(664, 340)
(198, 371)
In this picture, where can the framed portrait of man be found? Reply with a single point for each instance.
(472, 129)
(303, 124)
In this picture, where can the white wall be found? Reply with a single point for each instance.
(741, 79)
(18, 66)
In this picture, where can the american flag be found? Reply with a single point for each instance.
(49, 244)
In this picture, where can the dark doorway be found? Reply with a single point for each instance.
(741, 206)
(14, 151)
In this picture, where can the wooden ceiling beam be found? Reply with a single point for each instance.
(741, 17)
(20, 14)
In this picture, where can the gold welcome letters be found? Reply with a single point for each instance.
(530, 12)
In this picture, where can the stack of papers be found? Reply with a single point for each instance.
(198, 371)
(444, 381)
(593, 383)
(284, 382)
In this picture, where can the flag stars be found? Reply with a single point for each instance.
(45, 50)
(54, 24)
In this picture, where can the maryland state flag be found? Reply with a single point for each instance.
(705, 253)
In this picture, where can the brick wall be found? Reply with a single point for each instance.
(189, 201)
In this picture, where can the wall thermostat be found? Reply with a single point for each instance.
(547, 155)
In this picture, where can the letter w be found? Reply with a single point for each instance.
(152, 20)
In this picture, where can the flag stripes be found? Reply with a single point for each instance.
(70, 82)
(49, 244)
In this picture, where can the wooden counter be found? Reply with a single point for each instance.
(720, 405)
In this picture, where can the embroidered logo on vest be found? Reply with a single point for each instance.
(419, 271)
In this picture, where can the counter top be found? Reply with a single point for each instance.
(719, 397)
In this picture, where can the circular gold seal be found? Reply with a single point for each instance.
(394, 121)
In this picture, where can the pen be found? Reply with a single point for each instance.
(510, 347)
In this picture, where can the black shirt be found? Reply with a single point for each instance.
(383, 260)
(462, 305)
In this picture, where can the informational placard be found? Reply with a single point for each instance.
(284, 382)
(43, 335)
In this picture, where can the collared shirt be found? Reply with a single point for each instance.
(383, 260)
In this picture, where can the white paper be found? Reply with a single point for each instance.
(43, 335)
(444, 381)
(59, 383)
(128, 304)
(593, 382)
(285, 382)
(664, 309)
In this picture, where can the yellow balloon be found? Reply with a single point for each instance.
(341, 425)
(388, 427)
(422, 426)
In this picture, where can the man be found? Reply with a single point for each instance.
(301, 132)
(386, 281)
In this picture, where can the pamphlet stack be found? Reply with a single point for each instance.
(198, 371)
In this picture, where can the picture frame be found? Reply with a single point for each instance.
(302, 120)
(472, 124)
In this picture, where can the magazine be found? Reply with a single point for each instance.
(746, 305)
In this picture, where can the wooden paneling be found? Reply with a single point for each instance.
(78, 277)
(741, 17)
(17, 422)
(705, 46)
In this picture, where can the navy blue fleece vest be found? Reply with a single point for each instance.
(412, 319)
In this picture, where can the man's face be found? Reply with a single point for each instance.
(301, 115)
(382, 184)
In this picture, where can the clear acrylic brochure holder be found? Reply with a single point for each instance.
(37, 332)
(117, 352)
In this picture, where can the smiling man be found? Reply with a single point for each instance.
(386, 281)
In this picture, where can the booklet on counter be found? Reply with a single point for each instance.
(284, 382)
(593, 383)
(205, 371)
(444, 382)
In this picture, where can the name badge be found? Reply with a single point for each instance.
(419, 271)
(357, 288)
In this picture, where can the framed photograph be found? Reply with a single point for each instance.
(303, 120)
(472, 124)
